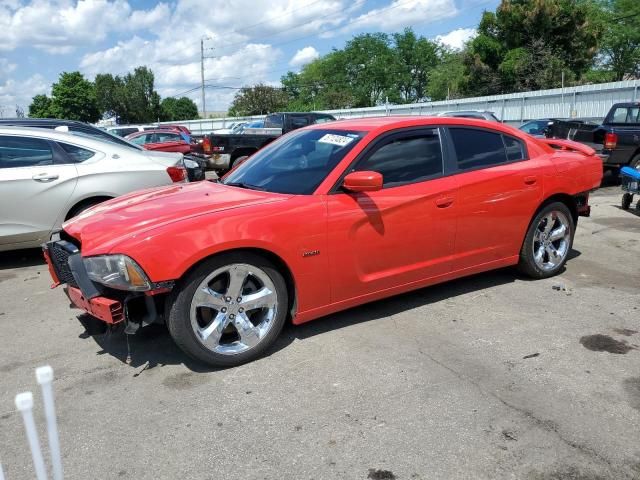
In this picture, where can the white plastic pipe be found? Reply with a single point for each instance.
(24, 403)
(44, 375)
(1, 473)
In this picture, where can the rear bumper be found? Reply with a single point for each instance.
(106, 309)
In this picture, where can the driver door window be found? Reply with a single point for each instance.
(410, 158)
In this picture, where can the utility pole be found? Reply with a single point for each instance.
(204, 108)
(202, 57)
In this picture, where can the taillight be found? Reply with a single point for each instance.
(206, 145)
(177, 174)
(610, 141)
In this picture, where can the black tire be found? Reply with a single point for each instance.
(527, 264)
(635, 162)
(627, 198)
(78, 209)
(179, 308)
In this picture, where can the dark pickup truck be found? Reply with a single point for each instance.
(616, 140)
(226, 149)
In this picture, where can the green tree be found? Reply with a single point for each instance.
(415, 59)
(141, 100)
(257, 100)
(40, 107)
(131, 99)
(74, 98)
(174, 109)
(447, 79)
(110, 94)
(564, 32)
(621, 43)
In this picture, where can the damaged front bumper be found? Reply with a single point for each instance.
(110, 306)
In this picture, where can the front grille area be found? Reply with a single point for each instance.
(59, 252)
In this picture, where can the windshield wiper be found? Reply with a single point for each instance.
(245, 185)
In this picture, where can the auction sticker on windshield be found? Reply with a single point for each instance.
(338, 140)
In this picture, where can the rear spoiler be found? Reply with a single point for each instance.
(568, 145)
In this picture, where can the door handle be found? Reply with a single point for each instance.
(530, 180)
(444, 202)
(45, 177)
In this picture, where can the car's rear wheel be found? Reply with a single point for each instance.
(229, 310)
(635, 162)
(627, 198)
(548, 241)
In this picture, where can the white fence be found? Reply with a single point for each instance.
(585, 101)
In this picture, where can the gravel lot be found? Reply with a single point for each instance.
(492, 377)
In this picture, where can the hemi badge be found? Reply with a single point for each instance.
(311, 253)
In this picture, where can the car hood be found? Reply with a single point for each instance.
(107, 224)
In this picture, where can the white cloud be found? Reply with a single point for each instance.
(303, 56)
(6, 68)
(59, 26)
(403, 13)
(457, 38)
(14, 92)
(177, 69)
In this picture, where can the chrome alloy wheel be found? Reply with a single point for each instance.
(551, 240)
(233, 308)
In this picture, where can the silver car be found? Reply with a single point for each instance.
(47, 177)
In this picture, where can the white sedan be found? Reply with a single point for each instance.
(47, 177)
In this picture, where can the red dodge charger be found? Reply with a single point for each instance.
(325, 218)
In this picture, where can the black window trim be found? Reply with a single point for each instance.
(454, 165)
(389, 136)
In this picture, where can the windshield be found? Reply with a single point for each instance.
(295, 163)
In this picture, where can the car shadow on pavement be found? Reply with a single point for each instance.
(21, 258)
(632, 210)
(152, 346)
(403, 302)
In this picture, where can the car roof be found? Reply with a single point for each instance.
(393, 122)
(155, 130)
(88, 142)
(42, 121)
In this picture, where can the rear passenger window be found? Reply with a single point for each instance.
(406, 159)
(514, 148)
(24, 152)
(299, 122)
(477, 148)
(77, 154)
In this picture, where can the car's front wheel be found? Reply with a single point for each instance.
(229, 310)
(548, 241)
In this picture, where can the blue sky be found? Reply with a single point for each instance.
(248, 41)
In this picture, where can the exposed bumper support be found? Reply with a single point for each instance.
(107, 310)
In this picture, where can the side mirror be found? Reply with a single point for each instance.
(365, 181)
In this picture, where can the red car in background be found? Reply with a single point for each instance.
(325, 218)
(165, 140)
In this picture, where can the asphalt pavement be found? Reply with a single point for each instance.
(489, 377)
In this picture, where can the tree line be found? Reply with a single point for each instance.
(523, 45)
(130, 99)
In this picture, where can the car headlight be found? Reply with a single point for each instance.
(117, 271)
(190, 163)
